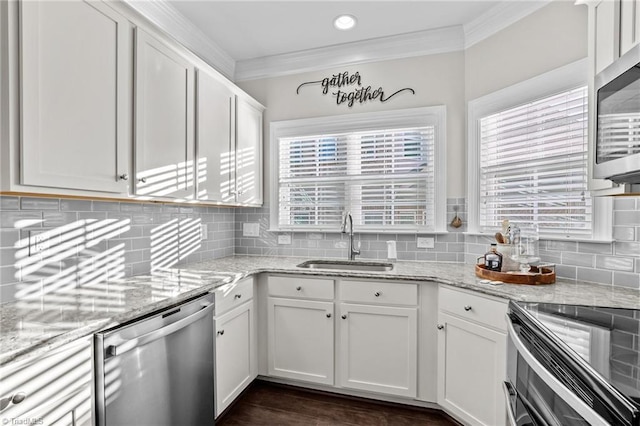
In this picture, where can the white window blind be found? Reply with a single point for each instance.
(533, 166)
(384, 177)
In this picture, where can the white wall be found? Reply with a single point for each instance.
(547, 39)
(436, 79)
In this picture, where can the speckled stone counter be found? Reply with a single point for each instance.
(36, 324)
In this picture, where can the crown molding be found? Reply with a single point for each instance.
(421, 43)
(498, 18)
(170, 20)
(442, 40)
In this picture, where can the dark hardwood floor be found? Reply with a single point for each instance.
(266, 403)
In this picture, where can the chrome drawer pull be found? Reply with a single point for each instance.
(467, 308)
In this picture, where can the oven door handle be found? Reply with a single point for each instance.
(556, 386)
(510, 392)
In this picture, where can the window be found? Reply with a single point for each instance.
(528, 156)
(381, 167)
(533, 165)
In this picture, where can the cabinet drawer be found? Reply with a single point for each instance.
(304, 288)
(387, 293)
(231, 295)
(473, 307)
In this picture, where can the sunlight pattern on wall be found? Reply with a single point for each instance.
(69, 256)
(173, 241)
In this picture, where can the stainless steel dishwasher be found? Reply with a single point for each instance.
(159, 369)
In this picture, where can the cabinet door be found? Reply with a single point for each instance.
(57, 386)
(378, 349)
(629, 24)
(607, 41)
(300, 340)
(248, 153)
(75, 122)
(471, 369)
(215, 138)
(164, 150)
(235, 354)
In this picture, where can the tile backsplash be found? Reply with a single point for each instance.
(46, 243)
(447, 247)
(616, 263)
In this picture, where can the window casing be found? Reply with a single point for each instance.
(528, 157)
(533, 165)
(385, 168)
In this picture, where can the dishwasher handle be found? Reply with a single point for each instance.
(127, 345)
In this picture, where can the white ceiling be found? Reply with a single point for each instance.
(250, 39)
(255, 29)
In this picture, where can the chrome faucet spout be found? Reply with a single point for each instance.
(353, 252)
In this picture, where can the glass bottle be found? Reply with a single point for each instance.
(493, 259)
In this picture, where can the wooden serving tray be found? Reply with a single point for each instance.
(535, 276)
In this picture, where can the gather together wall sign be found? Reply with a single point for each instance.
(349, 89)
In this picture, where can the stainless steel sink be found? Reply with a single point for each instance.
(347, 265)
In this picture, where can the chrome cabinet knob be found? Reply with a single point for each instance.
(328, 315)
(298, 288)
(467, 308)
(19, 397)
(220, 333)
(440, 326)
(123, 176)
(344, 316)
(142, 180)
(237, 296)
(377, 294)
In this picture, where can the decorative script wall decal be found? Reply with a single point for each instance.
(349, 94)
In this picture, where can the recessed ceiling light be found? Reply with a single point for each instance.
(344, 22)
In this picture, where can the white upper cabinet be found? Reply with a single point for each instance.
(75, 96)
(614, 30)
(229, 143)
(101, 103)
(215, 138)
(248, 164)
(606, 37)
(164, 148)
(629, 24)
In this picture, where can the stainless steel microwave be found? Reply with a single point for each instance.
(617, 147)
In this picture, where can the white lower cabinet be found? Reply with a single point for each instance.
(300, 329)
(471, 357)
(378, 328)
(378, 349)
(234, 354)
(301, 339)
(51, 389)
(235, 341)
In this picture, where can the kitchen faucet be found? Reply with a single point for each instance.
(353, 252)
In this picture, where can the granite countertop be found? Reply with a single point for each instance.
(37, 324)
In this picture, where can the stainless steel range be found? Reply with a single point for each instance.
(573, 365)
